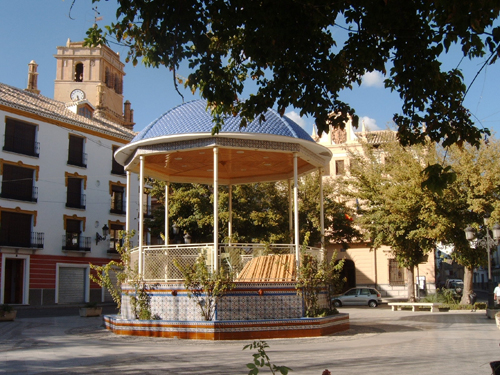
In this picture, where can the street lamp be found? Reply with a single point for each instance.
(105, 232)
(488, 241)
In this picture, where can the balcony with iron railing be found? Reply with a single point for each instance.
(76, 200)
(22, 238)
(73, 242)
(21, 145)
(19, 190)
(79, 160)
(117, 169)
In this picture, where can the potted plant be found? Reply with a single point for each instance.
(7, 312)
(90, 309)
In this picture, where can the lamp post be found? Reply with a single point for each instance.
(105, 232)
(470, 234)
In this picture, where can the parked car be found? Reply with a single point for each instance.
(457, 285)
(358, 296)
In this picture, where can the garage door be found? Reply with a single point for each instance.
(72, 285)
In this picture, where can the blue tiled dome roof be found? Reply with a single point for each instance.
(193, 117)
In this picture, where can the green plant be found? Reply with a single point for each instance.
(333, 280)
(316, 276)
(90, 305)
(141, 300)
(261, 359)
(449, 296)
(431, 297)
(481, 305)
(205, 287)
(4, 309)
(125, 272)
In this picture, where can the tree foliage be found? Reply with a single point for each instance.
(260, 212)
(315, 276)
(399, 210)
(304, 53)
(473, 195)
(394, 209)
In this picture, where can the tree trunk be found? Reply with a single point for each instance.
(468, 287)
(411, 284)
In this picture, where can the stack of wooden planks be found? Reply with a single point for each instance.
(271, 268)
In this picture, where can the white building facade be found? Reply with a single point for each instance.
(60, 186)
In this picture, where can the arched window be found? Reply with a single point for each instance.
(106, 77)
(117, 84)
(79, 72)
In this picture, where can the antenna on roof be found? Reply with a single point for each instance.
(96, 18)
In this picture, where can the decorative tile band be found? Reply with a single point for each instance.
(244, 303)
(227, 330)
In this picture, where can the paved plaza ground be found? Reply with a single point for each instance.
(380, 341)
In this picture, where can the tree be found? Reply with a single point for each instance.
(338, 223)
(291, 52)
(260, 212)
(397, 209)
(473, 195)
(394, 209)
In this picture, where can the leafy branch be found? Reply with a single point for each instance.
(205, 287)
(261, 359)
(125, 273)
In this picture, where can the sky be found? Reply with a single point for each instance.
(32, 29)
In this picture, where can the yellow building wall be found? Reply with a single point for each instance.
(372, 269)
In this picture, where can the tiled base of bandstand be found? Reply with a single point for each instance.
(249, 311)
(229, 330)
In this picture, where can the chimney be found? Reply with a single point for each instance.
(33, 78)
(128, 115)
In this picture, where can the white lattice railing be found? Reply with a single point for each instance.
(158, 260)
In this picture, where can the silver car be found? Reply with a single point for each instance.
(358, 296)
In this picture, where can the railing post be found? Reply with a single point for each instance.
(167, 224)
(127, 209)
(216, 210)
(322, 215)
(296, 209)
(141, 213)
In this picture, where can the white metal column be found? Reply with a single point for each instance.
(290, 210)
(322, 214)
(127, 208)
(167, 225)
(230, 222)
(215, 264)
(141, 213)
(296, 209)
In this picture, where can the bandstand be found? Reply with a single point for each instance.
(179, 147)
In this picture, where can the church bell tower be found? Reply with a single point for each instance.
(93, 74)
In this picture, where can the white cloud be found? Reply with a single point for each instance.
(370, 123)
(373, 79)
(294, 116)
